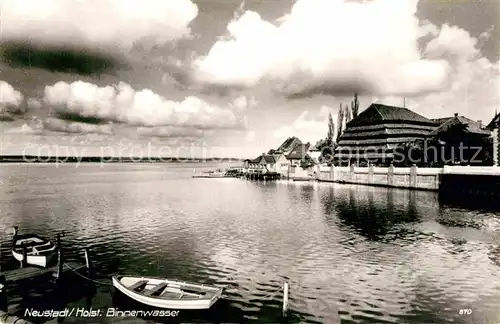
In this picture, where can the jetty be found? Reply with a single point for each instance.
(59, 278)
(17, 275)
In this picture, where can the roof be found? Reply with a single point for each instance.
(494, 122)
(256, 160)
(289, 143)
(470, 126)
(441, 120)
(299, 152)
(379, 112)
(269, 159)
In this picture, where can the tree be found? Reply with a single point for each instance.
(348, 113)
(331, 130)
(306, 162)
(355, 106)
(340, 121)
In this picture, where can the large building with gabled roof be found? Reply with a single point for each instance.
(376, 132)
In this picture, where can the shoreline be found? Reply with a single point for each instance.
(31, 159)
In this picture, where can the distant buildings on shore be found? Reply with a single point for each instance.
(384, 135)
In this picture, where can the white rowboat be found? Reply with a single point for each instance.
(169, 294)
(39, 251)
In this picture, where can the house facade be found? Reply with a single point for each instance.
(282, 164)
(253, 165)
(295, 157)
(494, 127)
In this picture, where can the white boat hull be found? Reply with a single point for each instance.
(37, 260)
(201, 303)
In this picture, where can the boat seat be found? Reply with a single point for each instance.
(138, 284)
(155, 289)
(193, 289)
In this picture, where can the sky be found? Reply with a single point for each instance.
(226, 78)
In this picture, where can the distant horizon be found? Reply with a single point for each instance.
(66, 158)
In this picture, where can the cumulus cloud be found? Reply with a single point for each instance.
(120, 103)
(242, 103)
(9, 97)
(328, 46)
(102, 25)
(58, 125)
(310, 126)
(474, 90)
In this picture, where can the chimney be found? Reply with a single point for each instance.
(456, 114)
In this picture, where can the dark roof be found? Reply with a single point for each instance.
(494, 122)
(379, 112)
(256, 160)
(289, 143)
(470, 126)
(268, 158)
(441, 121)
(299, 152)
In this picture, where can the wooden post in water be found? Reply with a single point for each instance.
(3, 294)
(24, 261)
(88, 264)
(285, 299)
(60, 261)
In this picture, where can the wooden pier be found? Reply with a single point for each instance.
(263, 176)
(16, 275)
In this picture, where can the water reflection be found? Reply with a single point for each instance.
(369, 213)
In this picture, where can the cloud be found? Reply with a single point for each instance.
(59, 60)
(87, 102)
(170, 132)
(474, 90)
(328, 46)
(105, 25)
(242, 103)
(59, 125)
(309, 126)
(9, 97)
(89, 37)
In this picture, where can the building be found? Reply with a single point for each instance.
(253, 165)
(493, 126)
(375, 133)
(460, 140)
(296, 156)
(288, 145)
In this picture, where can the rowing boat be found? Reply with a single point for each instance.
(168, 294)
(39, 251)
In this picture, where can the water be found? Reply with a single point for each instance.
(351, 254)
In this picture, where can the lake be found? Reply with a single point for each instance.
(351, 254)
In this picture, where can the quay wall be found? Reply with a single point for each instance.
(412, 178)
(466, 179)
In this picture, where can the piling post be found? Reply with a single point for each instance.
(24, 261)
(88, 264)
(285, 299)
(3, 294)
(60, 260)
